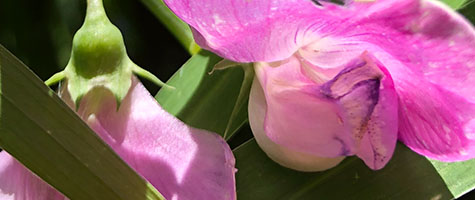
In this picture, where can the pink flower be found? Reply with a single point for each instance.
(334, 81)
(180, 161)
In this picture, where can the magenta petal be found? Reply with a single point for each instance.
(249, 31)
(366, 94)
(435, 122)
(429, 51)
(180, 161)
(18, 183)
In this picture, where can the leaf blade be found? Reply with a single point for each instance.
(407, 176)
(203, 100)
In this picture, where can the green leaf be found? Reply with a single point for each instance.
(39, 130)
(455, 4)
(206, 100)
(177, 27)
(407, 176)
(459, 176)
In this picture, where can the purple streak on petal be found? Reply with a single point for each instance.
(429, 51)
(353, 113)
(368, 101)
(18, 183)
(250, 31)
(418, 41)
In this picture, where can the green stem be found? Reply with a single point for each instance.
(149, 76)
(242, 97)
(55, 78)
(95, 10)
(178, 28)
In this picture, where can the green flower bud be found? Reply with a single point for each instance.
(99, 58)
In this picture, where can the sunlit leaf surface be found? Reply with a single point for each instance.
(456, 4)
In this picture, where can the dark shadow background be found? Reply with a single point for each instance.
(40, 34)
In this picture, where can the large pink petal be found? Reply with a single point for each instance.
(249, 31)
(180, 161)
(18, 183)
(429, 50)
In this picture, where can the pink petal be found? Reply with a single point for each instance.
(180, 161)
(354, 113)
(249, 31)
(284, 156)
(298, 116)
(17, 183)
(427, 48)
(429, 51)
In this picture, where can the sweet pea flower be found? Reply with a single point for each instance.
(180, 161)
(341, 80)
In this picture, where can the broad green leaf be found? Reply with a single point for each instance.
(407, 176)
(39, 130)
(455, 4)
(179, 28)
(205, 100)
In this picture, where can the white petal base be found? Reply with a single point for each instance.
(284, 156)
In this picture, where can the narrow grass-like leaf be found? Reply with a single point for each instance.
(177, 27)
(459, 177)
(239, 114)
(205, 100)
(44, 134)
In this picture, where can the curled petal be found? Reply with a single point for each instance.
(298, 116)
(365, 92)
(429, 51)
(180, 161)
(353, 113)
(281, 154)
